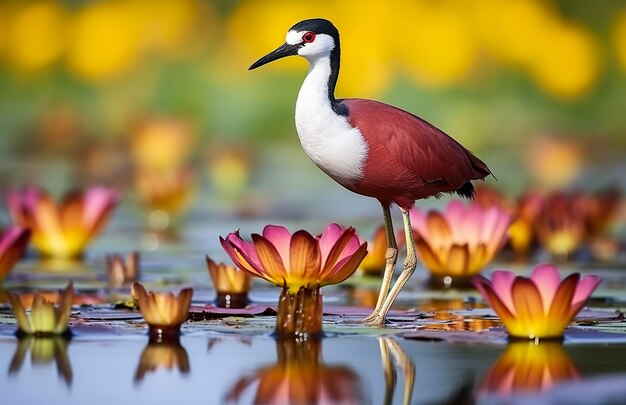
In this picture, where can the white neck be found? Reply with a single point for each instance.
(327, 138)
(314, 90)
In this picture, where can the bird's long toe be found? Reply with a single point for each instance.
(378, 322)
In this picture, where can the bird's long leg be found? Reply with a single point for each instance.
(408, 268)
(391, 256)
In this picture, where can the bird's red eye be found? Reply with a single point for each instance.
(308, 37)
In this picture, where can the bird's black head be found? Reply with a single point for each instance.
(317, 26)
(311, 38)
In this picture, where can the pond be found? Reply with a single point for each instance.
(439, 347)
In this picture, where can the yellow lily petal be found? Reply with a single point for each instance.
(23, 321)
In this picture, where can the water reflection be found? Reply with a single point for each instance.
(445, 319)
(363, 296)
(43, 351)
(159, 353)
(391, 351)
(299, 376)
(527, 367)
(214, 341)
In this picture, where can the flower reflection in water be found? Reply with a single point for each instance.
(390, 351)
(530, 366)
(445, 317)
(43, 351)
(162, 353)
(300, 377)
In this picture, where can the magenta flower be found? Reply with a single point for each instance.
(301, 264)
(298, 260)
(62, 230)
(13, 243)
(537, 307)
(461, 240)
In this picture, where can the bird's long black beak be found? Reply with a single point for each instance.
(282, 51)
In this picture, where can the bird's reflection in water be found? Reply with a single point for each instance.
(43, 351)
(168, 354)
(529, 367)
(391, 352)
(300, 376)
(214, 341)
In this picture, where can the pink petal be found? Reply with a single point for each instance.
(98, 200)
(12, 246)
(10, 237)
(455, 211)
(280, 237)
(418, 221)
(30, 198)
(495, 224)
(327, 240)
(246, 249)
(480, 282)
(494, 299)
(468, 229)
(499, 234)
(585, 287)
(502, 282)
(490, 221)
(345, 267)
(546, 279)
(352, 246)
(337, 250)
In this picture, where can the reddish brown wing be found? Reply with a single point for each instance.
(423, 152)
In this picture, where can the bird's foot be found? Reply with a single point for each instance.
(377, 321)
(371, 317)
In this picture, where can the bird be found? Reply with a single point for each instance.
(372, 148)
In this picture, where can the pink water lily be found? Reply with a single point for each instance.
(298, 260)
(13, 243)
(62, 230)
(537, 307)
(461, 240)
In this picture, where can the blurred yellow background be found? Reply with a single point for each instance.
(532, 85)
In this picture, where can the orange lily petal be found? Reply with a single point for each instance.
(439, 233)
(585, 287)
(561, 305)
(270, 259)
(429, 258)
(345, 268)
(457, 260)
(305, 259)
(528, 305)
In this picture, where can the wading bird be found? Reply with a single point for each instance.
(371, 148)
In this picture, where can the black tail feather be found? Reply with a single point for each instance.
(466, 190)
